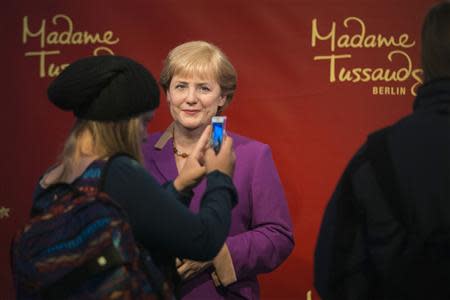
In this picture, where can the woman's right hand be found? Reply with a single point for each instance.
(194, 170)
(224, 160)
(205, 160)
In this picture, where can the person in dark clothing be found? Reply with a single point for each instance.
(114, 98)
(385, 233)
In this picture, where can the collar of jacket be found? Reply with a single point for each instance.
(165, 137)
(433, 93)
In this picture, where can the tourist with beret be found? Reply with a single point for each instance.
(113, 98)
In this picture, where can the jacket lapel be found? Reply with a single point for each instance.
(163, 158)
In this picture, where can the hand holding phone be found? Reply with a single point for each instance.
(220, 156)
(217, 132)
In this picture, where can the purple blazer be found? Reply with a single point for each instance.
(260, 237)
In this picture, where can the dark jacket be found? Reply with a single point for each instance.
(373, 247)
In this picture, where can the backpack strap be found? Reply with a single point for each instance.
(106, 168)
(379, 156)
(400, 277)
(347, 276)
(62, 188)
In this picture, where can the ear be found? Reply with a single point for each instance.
(168, 98)
(222, 100)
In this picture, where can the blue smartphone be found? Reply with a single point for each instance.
(218, 132)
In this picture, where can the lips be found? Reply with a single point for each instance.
(190, 112)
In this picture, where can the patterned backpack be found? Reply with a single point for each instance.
(80, 246)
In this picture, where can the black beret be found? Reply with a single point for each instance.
(105, 88)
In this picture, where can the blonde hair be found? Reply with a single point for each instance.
(108, 139)
(201, 59)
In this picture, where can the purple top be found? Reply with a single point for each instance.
(260, 237)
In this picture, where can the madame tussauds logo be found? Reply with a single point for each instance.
(402, 70)
(66, 35)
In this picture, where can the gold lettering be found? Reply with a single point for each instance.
(377, 74)
(389, 90)
(345, 75)
(387, 42)
(42, 54)
(370, 41)
(360, 39)
(375, 90)
(357, 40)
(64, 37)
(343, 41)
(403, 41)
(390, 75)
(52, 38)
(357, 73)
(91, 38)
(332, 59)
(77, 38)
(406, 72)
(54, 71)
(99, 50)
(417, 75)
(366, 73)
(331, 35)
(26, 32)
(107, 36)
(68, 36)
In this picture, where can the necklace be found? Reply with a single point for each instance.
(175, 150)
(178, 153)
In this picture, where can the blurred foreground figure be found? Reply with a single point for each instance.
(386, 231)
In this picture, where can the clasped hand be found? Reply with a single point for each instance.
(188, 269)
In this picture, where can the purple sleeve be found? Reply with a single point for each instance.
(269, 240)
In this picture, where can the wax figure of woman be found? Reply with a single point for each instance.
(199, 82)
(113, 99)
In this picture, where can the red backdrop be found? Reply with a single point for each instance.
(314, 77)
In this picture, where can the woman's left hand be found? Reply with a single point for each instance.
(188, 269)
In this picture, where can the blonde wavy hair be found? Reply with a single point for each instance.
(201, 59)
(108, 139)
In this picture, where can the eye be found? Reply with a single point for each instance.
(180, 86)
(205, 88)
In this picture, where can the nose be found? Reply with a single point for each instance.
(191, 97)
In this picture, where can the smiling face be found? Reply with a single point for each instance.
(193, 101)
